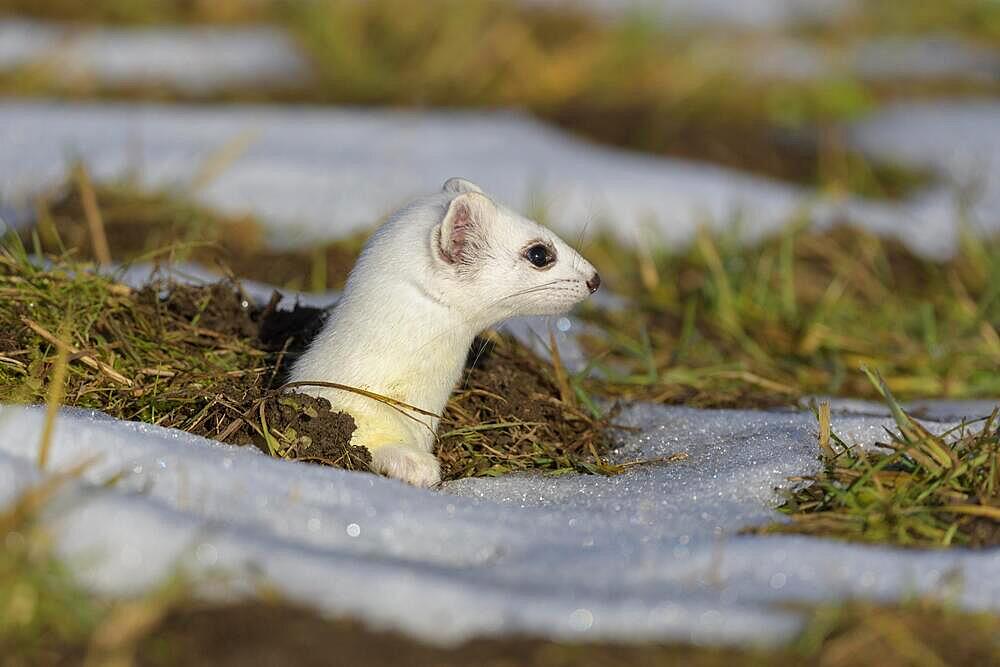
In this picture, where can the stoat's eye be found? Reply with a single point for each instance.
(539, 255)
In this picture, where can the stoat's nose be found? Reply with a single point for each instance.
(594, 282)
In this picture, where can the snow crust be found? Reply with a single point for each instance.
(654, 553)
(191, 59)
(23, 42)
(745, 14)
(315, 174)
(929, 58)
(959, 140)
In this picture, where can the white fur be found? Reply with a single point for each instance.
(410, 312)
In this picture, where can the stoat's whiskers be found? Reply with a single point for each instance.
(478, 313)
(579, 242)
(482, 349)
(528, 290)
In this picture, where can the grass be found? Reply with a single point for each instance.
(628, 83)
(720, 323)
(798, 314)
(129, 346)
(144, 225)
(143, 12)
(918, 489)
(508, 416)
(977, 20)
(43, 613)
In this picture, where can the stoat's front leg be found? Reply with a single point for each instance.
(397, 450)
(407, 463)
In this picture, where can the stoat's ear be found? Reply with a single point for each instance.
(469, 214)
(459, 185)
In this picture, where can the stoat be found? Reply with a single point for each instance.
(434, 275)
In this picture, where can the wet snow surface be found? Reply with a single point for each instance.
(314, 174)
(652, 554)
(190, 60)
(884, 59)
(745, 14)
(960, 141)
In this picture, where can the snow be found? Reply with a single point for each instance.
(959, 140)
(24, 42)
(191, 59)
(140, 274)
(319, 173)
(651, 554)
(745, 14)
(930, 57)
(927, 58)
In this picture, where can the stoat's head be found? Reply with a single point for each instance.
(489, 257)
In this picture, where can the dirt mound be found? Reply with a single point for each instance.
(9, 342)
(506, 384)
(297, 427)
(983, 532)
(305, 428)
(219, 308)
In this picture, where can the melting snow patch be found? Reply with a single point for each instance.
(958, 140)
(651, 554)
(886, 59)
(24, 42)
(193, 60)
(313, 174)
(927, 58)
(752, 14)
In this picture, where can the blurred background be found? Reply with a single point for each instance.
(767, 87)
(272, 136)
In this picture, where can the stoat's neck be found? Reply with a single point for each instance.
(394, 340)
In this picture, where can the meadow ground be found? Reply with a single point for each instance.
(719, 323)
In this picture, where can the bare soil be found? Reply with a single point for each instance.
(505, 383)
(259, 634)
(796, 156)
(309, 430)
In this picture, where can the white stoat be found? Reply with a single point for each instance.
(433, 276)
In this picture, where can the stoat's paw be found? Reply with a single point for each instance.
(408, 464)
